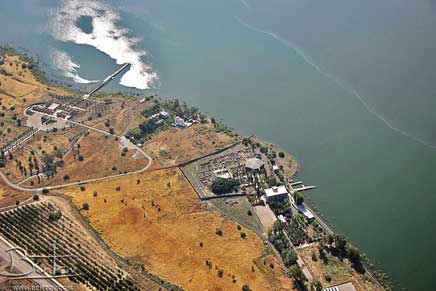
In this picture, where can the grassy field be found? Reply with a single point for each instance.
(240, 210)
(176, 146)
(338, 272)
(9, 196)
(102, 156)
(156, 219)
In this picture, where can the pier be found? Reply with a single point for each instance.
(107, 80)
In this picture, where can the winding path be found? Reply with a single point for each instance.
(131, 145)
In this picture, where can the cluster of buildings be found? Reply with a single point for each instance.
(231, 164)
(160, 117)
(55, 110)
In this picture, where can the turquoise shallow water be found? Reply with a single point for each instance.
(288, 72)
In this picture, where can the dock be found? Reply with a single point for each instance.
(106, 80)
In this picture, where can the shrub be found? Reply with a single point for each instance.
(243, 235)
(55, 215)
(66, 177)
(220, 273)
(281, 155)
(85, 206)
(45, 191)
(219, 232)
(245, 287)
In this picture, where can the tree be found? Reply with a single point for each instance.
(219, 232)
(299, 199)
(272, 181)
(316, 285)
(221, 185)
(245, 287)
(281, 155)
(297, 274)
(340, 242)
(353, 253)
(85, 206)
(55, 215)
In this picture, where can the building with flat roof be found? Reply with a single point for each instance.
(53, 106)
(277, 193)
(342, 287)
(303, 210)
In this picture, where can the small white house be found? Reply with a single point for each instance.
(179, 122)
(164, 114)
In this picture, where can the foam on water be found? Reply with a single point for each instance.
(106, 36)
(352, 91)
(63, 62)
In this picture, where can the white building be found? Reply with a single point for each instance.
(164, 114)
(343, 287)
(179, 122)
(53, 106)
(278, 193)
(303, 210)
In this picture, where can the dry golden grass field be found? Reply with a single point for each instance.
(155, 218)
(176, 146)
(102, 156)
(9, 196)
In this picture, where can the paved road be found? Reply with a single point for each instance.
(23, 265)
(131, 145)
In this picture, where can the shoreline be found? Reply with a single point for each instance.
(295, 169)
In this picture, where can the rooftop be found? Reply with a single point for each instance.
(306, 212)
(254, 163)
(274, 191)
(343, 287)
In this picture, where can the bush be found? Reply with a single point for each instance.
(220, 273)
(55, 215)
(243, 235)
(281, 155)
(222, 186)
(85, 206)
(45, 191)
(219, 232)
(66, 177)
(299, 199)
(246, 288)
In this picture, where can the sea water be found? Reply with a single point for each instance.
(347, 86)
